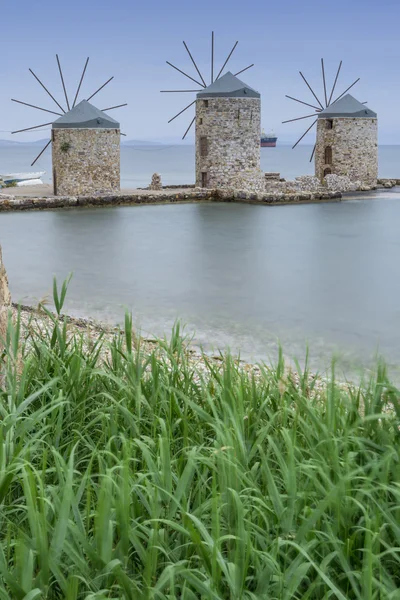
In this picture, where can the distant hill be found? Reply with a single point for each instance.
(129, 143)
(5, 143)
(140, 143)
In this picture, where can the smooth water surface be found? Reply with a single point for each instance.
(176, 163)
(238, 275)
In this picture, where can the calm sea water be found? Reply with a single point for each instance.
(176, 163)
(239, 276)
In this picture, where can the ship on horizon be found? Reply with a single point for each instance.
(268, 140)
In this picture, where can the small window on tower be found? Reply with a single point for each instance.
(200, 121)
(205, 103)
(203, 146)
(329, 124)
(328, 155)
(327, 171)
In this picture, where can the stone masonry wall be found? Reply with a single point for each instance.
(86, 161)
(354, 143)
(231, 128)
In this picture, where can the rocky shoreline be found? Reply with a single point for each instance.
(314, 386)
(278, 192)
(32, 318)
(9, 202)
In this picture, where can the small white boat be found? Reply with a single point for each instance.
(29, 182)
(22, 177)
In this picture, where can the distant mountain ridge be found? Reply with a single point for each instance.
(4, 143)
(140, 143)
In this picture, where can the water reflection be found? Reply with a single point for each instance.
(238, 275)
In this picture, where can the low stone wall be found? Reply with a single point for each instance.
(388, 183)
(179, 187)
(184, 186)
(15, 203)
(310, 184)
(29, 203)
(293, 198)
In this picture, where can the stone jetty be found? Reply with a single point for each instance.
(10, 202)
(275, 191)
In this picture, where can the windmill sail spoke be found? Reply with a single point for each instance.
(41, 152)
(311, 90)
(202, 82)
(45, 88)
(187, 130)
(323, 79)
(62, 81)
(243, 70)
(38, 107)
(299, 118)
(100, 88)
(345, 91)
(182, 111)
(212, 57)
(334, 84)
(226, 62)
(305, 133)
(35, 127)
(301, 102)
(124, 134)
(112, 107)
(43, 126)
(328, 101)
(193, 61)
(185, 74)
(80, 81)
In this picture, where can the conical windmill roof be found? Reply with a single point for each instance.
(347, 106)
(85, 116)
(228, 86)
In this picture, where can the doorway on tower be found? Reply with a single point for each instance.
(204, 179)
(328, 155)
(54, 182)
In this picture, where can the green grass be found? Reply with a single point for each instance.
(138, 479)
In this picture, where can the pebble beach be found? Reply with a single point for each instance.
(36, 319)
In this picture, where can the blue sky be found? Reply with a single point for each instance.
(132, 40)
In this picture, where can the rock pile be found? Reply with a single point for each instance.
(305, 183)
(249, 180)
(342, 183)
(155, 184)
(279, 187)
(272, 175)
(308, 183)
(388, 183)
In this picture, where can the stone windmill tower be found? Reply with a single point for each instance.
(85, 143)
(86, 152)
(346, 142)
(228, 126)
